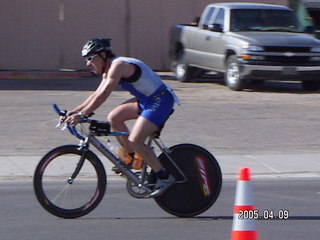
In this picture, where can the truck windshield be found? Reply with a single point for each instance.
(263, 20)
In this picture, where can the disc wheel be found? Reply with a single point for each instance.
(203, 185)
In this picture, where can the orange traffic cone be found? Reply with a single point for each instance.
(244, 215)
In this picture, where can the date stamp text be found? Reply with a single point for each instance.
(266, 214)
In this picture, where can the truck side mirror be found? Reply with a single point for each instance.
(216, 27)
(196, 21)
(310, 29)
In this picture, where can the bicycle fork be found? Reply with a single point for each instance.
(85, 148)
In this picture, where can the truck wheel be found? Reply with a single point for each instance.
(232, 74)
(311, 85)
(183, 71)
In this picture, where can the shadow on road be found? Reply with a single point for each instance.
(259, 86)
(314, 218)
(83, 84)
(205, 218)
(90, 84)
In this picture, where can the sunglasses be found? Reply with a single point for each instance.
(90, 58)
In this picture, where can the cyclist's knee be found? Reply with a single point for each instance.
(135, 145)
(115, 119)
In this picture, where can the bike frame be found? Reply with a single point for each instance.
(92, 139)
(125, 170)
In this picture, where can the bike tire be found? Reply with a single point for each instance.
(62, 198)
(204, 183)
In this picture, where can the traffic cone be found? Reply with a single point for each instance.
(244, 227)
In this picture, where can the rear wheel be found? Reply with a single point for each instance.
(183, 72)
(62, 195)
(199, 193)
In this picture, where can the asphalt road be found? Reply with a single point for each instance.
(120, 216)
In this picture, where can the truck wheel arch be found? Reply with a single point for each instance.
(178, 50)
(229, 52)
(183, 72)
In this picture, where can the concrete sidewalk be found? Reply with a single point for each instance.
(261, 166)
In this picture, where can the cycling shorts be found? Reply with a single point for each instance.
(158, 107)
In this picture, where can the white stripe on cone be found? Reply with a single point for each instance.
(243, 194)
(243, 224)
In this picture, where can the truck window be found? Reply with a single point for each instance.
(220, 18)
(263, 20)
(208, 18)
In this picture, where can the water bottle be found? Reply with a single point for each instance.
(120, 152)
(124, 156)
(137, 162)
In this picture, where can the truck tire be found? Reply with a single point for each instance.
(183, 72)
(232, 75)
(311, 85)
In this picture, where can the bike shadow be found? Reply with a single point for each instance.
(197, 218)
(292, 218)
(201, 218)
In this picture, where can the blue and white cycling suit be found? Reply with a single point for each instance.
(155, 99)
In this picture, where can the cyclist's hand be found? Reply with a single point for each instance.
(66, 115)
(73, 119)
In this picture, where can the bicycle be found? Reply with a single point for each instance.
(70, 181)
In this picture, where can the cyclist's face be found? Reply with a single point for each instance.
(96, 63)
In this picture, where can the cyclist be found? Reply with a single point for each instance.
(151, 106)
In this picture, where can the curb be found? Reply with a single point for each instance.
(31, 75)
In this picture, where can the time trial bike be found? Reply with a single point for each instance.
(70, 181)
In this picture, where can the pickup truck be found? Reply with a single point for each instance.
(246, 41)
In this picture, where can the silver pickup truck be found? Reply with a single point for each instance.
(246, 41)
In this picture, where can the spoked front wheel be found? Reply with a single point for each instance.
(65, 185)
(204, 180)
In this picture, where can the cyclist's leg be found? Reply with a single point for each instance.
(139, 133)
(154, 112)
(119, 115)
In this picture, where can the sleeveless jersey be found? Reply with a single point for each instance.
(146, 85)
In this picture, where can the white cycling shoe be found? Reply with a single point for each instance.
(161, 186)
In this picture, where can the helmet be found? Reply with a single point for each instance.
(96, 45)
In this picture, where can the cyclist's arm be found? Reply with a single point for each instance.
(109, 82)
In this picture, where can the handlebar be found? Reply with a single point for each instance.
(58, 111)
(73, 130)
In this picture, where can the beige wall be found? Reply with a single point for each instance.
(49, 34)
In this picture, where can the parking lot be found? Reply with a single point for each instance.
(272, 127)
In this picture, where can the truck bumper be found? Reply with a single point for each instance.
(262, 72)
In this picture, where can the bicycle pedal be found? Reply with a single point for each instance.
(120, 173)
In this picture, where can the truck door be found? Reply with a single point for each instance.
(198, 53)
(210, 42)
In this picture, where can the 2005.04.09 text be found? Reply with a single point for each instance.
(266, 214)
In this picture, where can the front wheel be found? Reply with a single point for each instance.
(204, 180)
(65, 185)
(232, 74)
